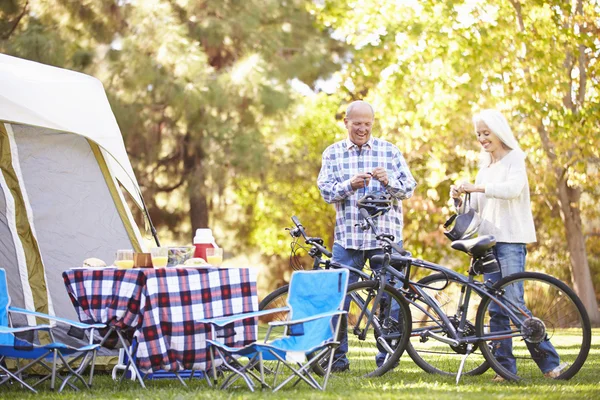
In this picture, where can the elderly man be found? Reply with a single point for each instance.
(351, 168)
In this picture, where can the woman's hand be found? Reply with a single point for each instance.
(456, 191)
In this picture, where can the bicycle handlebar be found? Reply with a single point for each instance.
(385, 238)
(315, 242)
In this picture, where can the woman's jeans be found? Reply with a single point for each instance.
(511, 257)
(356, 259)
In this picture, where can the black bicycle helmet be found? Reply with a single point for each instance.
(465, 225)
(376, 203)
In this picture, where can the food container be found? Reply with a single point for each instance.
(179, 255)
(142, 260)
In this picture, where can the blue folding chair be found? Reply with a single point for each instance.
(314, 299)
(51, 356)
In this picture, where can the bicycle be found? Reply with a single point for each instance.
(378, 319)
(559, 324)
(443, 342)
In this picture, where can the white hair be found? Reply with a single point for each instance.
(498, 125)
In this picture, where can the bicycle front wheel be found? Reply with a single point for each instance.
(431, 355)
(552, 337)
(275, 299)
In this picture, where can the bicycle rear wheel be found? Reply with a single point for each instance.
(431, 355)
(556, 331)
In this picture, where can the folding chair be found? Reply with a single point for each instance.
(315, 298)
(51, 356)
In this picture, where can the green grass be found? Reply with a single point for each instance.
(408, 381)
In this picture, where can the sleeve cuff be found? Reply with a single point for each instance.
(348, 187)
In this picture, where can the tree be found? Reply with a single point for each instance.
(427, 66)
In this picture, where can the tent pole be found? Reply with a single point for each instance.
(152, 229)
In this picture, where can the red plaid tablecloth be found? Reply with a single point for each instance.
(161, 305)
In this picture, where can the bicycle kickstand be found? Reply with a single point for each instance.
(462, 363)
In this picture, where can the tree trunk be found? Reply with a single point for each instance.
(197, 198)
(580, 270)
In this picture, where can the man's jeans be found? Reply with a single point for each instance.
(511, 257)
(355, 259)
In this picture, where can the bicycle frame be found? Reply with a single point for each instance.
(388, 273)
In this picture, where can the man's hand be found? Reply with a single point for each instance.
(380, 174)
(358, 181)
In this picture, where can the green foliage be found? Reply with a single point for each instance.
(217, 134)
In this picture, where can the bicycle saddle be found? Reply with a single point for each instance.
(476, 247)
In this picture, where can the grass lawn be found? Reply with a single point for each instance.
(407, 381)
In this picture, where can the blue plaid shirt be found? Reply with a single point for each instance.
(343, 160)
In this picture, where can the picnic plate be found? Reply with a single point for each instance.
(94, 268)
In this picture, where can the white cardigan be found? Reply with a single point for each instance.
(505, 207)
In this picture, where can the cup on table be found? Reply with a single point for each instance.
(160, 256)
(124, 259)
(214, 256)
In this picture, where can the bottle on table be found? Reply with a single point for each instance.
(203, 240)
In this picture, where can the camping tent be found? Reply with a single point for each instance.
(64, 177)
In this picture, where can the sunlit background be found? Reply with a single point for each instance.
(226, 106)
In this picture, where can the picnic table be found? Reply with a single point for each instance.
(159, 308)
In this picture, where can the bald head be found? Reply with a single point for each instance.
(359, 122)
(359, 106)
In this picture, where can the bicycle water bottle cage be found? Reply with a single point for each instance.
(486, 264)
(376, 203)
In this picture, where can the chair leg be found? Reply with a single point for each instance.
(10, 375)
(53, 379)
(299, 373)
(77, 373)
(131, 361)
(226, 383)
(179, 377)
(329, 364)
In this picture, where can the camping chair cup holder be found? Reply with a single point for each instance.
(314, 299)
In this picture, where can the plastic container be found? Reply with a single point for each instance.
(203, 240)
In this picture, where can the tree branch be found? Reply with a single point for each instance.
(5, 37)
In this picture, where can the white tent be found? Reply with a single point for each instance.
(64, 177)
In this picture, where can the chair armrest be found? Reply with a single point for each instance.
(76, 324)
(311, 318)
(223, 321)
(6, 329)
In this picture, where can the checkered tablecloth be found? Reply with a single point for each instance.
(161, 305)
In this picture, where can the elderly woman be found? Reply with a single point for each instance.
(500, 195)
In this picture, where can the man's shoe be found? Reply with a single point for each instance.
(340, 367)
(498, 379)
(555, 373)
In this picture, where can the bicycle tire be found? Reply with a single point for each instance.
(362, 352)
(436, 357)
(566, 326)
(275, 299)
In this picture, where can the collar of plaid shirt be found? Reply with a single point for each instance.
(348, 234)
